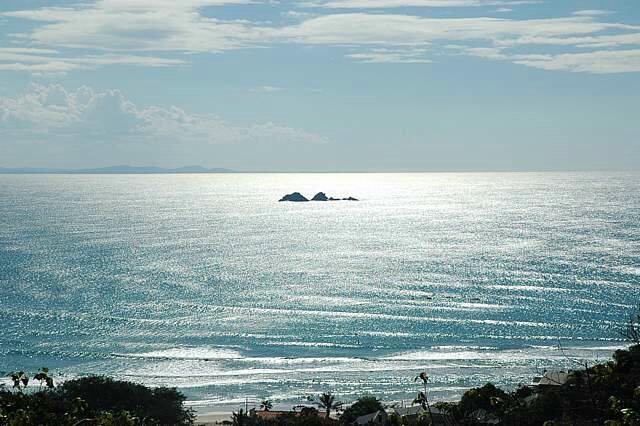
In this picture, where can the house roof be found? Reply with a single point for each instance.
(368, 418)
(553, 378)
(416, 410)
(409, 411)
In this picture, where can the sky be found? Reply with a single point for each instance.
(321, 85)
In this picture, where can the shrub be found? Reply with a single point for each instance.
(99, 400)
(365, 405)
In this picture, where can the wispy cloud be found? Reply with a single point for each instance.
(142, 34)
(396, 56)
(499, 36)
(592, 12)
(267, 89)
(387, 4)
(47, 61)
(120, 25)
(597, 62)
(593, 62)
(398, 29)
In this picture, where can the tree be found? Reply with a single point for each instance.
(266, 405)
(422, 396)
(364, 405)
(240, 418)
(43, 378)
(90, 400)
(20, 380)
(161, 405)
(631, 331)
(328, 402)
(486, 398)
(308, 412)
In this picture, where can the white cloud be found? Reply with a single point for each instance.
(119, 25)
(51, 61)
(592, 12)
(143, 34)
(375, 4)
(295, 14)
(267, 89)
(598, 62)
(594, 62)
(396, 56)
(56, 116)
(485, 52)
(141, 25)
(589, 41)
(398, 29)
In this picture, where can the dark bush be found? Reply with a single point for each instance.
(365, 405)
(161, 405)
(96, 400)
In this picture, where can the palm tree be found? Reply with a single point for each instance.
(266, 405)
(328, 402)
(239, 418)
(422, 396)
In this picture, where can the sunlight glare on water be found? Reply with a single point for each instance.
(208, 283)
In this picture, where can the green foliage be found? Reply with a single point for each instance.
(423, 420)
(121, 418)
(631, 331)
(604, 394)
(20, 380)
(487, 397)
(44, 378)
(241, 419)
(365, 405)
(395, 420)
(424, 377)
(607, 393)
(308, 418)
(308, 412)
(161, 405)
(327, 401)
(92, 400)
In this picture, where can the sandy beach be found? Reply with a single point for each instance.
(212, 418)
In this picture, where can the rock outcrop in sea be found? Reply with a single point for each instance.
(320, 196)
(296, 197)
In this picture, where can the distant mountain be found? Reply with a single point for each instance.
(115, 170)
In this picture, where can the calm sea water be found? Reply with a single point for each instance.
(207, 283)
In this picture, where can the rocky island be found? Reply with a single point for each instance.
(296, 197)
(320, 196)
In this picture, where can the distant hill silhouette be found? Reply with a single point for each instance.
(115, 170)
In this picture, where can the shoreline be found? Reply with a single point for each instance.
(211, 415)
(212, 418)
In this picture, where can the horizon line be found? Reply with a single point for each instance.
(112, 170)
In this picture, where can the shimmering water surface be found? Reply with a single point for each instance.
(207, 283)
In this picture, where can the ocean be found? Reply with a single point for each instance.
(206, 282)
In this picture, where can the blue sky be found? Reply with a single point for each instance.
(321, 85)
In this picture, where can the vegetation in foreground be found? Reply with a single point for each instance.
(91, 400)
(604, 394)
